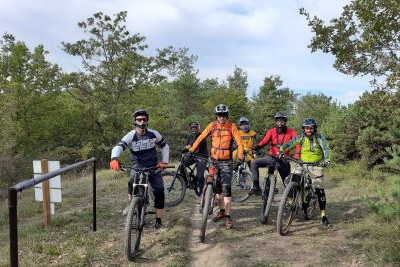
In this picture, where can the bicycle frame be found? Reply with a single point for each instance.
(304, 182)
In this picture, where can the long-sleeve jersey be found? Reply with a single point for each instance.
(276, 139)
(313, 148)
(202, 149)
(142, 148)
(221, 140)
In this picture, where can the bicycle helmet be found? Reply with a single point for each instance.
(221, 109)
(281, 115)
(243, 120)
(309, 122)
(141, 112)
(194, 126)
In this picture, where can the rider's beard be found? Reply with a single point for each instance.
(281, 128)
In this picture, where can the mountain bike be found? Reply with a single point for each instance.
(241, 181)
(175, 184)
(135, 219)
(268, 189)
(299, 194)
(207, 198)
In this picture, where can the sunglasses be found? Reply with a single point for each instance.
(141, 119)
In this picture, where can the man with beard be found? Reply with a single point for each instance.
(276, 137)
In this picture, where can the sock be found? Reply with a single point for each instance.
(323, 213)
(158, 220)
(222, 210)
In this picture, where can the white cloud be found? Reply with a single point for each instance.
(263, 37)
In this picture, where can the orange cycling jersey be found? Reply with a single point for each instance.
(221, 140)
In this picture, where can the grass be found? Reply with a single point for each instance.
(70, 239)
(360, 235)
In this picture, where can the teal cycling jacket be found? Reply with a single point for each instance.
(313, 148)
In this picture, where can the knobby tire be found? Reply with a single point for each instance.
(310, 202)
(238, 194)
(176, 194)
(133, 228)
(287, 210)
(207, 196)
(268, 197)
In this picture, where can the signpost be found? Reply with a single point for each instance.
(48, 191)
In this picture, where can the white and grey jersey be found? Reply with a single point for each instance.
(142, 147)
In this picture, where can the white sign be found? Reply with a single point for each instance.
(55, 182)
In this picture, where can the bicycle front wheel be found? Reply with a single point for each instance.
(287, 208)
(310, 204)
(206, 207)
(133, 228)
(267, 197)
(241, 184)
(174, 188)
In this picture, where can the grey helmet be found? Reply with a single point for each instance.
(309, 122)
(243, 120)
(281, 115)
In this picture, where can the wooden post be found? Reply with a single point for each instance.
(46, 194)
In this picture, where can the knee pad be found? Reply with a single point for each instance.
(320, 193)
(159, 199)
(226, 190)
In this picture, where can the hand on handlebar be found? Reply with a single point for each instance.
(114, 165)
(162, 165)
(280, 155)
(326, 163)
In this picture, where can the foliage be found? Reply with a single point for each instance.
(271, 98)
(364, 39)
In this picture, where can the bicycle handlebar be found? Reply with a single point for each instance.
(315, 163)
(145, 169)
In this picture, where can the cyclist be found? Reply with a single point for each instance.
(141, 142)
(202, 151)
(222, 132)
(314, 148)
(277, 136)
(248, 137)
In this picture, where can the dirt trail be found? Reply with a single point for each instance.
(211, 252)
(251, 243)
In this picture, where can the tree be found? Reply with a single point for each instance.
(115, 66)
(317, 106)
(238, 79)
(271, 98)
(364, 40)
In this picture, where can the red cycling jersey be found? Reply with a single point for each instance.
(274, 139)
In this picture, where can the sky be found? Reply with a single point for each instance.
(263, 37)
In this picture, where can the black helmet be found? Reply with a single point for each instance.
(141, 112)
(221, 109)
(194, 124)
(194, 127)
(309, 122)
(280, 115)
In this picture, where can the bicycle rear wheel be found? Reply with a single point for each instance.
(310, 203)
(206, 201)
(133, 228)
(174, 188)
(267, 197)
(241, 184)
(287, 208)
